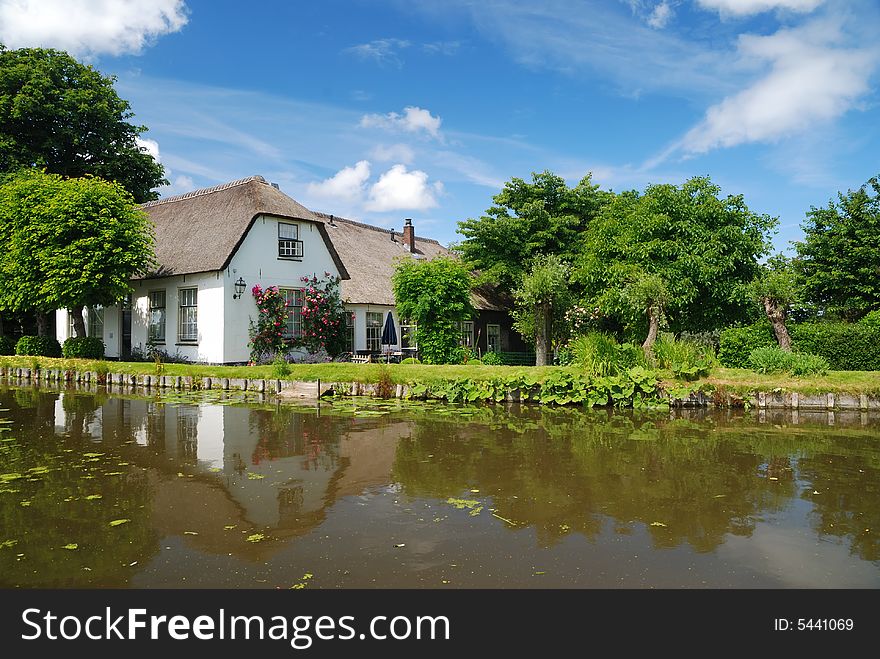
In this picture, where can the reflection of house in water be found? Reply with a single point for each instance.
(275, 471)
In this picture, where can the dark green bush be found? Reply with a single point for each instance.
(84, 347)
(807, 364)
(735, 344)
(40, 346)
(770, 359)
(7, 346)
(846, 346)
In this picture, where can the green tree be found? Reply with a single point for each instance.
(69, 243)
(776, 289)
(65, 117)
(542, 298)
(679, 251)
(839, 257)
(529, 219)
(435, 295)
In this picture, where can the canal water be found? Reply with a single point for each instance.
(211, 490)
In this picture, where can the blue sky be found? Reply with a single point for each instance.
(380, 110)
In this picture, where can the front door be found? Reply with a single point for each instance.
(125, 330)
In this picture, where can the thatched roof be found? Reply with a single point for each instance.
(370, 253)
(200, 231)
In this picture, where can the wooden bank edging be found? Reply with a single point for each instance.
(311, 389)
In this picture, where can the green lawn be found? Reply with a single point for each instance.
(734, 380)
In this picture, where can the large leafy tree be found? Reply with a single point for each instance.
(529, 219)
(840, 254)
(542, 298)
(65, 117)
(68, 243)
(776, 288)
(435, 295)
(678, 251)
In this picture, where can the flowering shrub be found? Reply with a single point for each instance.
(267, 333)
(323, 318)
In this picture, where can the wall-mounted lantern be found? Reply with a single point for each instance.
(240, 285)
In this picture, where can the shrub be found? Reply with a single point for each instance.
(846, 346)
(40, 346)
(596, 353)
(412, 360)
(871, 319)
(492, 359)
(807, 364)
(7, 345)
(384, 386)
(280, 368)
(474, 362)
(735, 344)
(769, 359)
(687, 360)
(84, 347)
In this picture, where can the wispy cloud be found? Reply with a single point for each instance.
(750, 7)
(660, 15)
(413, 120)
(381, 51)
(86, 28)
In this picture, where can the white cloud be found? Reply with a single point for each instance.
(179, 185)
(86, 27)
(749, 7)
(413, 120)
(441, 47)
(396, 152)
(814, 77)
(150, 146)
(660, 16)
(347, 185)
(398, 189)
(381, 51)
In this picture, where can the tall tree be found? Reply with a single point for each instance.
(435, 295)
(776, 289)
(69, 243)
(65, 117)
(700, 251)
(529, 219)
(840, 254)
(542, 298)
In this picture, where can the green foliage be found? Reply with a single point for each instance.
(599, 354)
(528, 219)
(871, 319)
(703, 249)
(323, 318)
(840, 253)
(776, 282)
(492, 359)
(474, 362)
(83, 347)
(410, 360)
(41, 346)
(735, 344)
(435, 295)
(267, 332)
(773, 359)
(62, 116)
(385, 385)
(280, 367)
(846, 346)
(69, 243)
(542, 300)
(687, 360)
(7, 345)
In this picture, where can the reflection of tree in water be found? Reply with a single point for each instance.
(285, 432)
(686, 481)
(58, 477)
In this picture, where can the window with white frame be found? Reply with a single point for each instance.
(156, 330)
(289, 244)
(493, 338)
(96, 322)
(188, 315)
(294, 299)
(466, 338)
(71, 328)
(374, 331)
(349, 331)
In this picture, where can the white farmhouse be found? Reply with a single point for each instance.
(214, 245)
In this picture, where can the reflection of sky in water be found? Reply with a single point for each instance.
(529, 498)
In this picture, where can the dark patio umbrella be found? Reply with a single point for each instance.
(389, 332)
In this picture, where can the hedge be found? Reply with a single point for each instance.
(736, 343)
(846, 346)
(39, 346)
(84, 347)
(7, 346)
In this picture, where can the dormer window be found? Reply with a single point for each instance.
(289, 244)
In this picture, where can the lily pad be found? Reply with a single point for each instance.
(118, 522)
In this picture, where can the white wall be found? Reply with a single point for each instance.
(360, 322)
(257, 262)
(211, 301)
(112, 328)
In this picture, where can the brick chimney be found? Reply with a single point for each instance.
(409, 235)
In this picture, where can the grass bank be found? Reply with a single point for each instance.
(739, 381)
